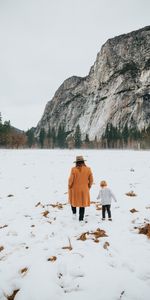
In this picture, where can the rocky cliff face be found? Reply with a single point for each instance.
(116, 90)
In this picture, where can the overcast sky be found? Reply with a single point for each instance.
(43, 42)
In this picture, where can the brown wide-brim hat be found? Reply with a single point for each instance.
(79, 159)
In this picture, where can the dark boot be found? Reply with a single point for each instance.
(73, 209)
(81, 213)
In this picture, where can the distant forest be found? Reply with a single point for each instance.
(114, 137)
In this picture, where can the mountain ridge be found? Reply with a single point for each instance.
(116, 90)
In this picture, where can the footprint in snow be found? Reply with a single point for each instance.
(68, 284)
(13, 233)
(70, 277)
(76, 272)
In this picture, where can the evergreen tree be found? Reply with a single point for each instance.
(49, 137)
(111, 136)
(49, 134)
(61, 137)
(42, 137)
(5, 133)
(125, 133)
(30, 137)
(77, 137)
(87, 139)
(134, 133)
(53, 135)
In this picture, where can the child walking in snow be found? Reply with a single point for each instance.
(106, 195)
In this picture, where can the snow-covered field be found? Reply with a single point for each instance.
(41, 255)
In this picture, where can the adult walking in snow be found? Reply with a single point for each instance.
(79, 184)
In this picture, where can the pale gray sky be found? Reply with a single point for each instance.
(43, 42)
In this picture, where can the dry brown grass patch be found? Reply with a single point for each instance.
(1, 248)
(12, 296)
(39, 204)
(83, 236)
(131, 194)
(1, 227)
(133, 210)
(52, 258)
(23, 271)
(69, 247)
(106, 245)
(45, 213)
(96, 240)
(98, 233)
(98, 206)
(145, 230)
(57, 205)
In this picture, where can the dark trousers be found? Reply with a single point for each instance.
(81, 212)
(104, 208)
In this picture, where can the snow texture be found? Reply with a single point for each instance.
(41, 255)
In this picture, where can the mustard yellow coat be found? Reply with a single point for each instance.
(79, 183)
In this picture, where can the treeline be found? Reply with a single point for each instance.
(55, 139)
(11, 137)
(114, 137)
